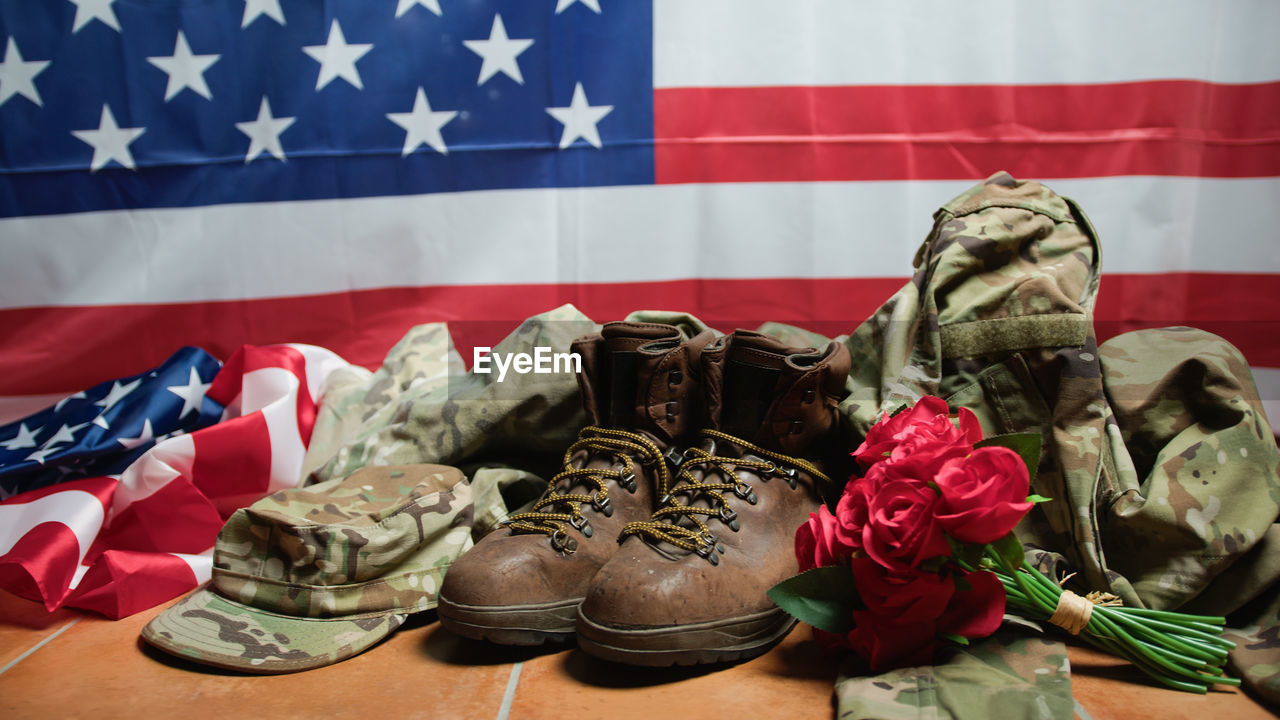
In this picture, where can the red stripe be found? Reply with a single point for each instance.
(232, 464)
(122, 583)
(41, 564)
(362, 326)
(293, 361)
(175, 518)
(230, 383)
(932, 132)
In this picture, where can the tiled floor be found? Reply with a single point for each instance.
(67, 665)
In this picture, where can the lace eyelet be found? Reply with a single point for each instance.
(582, 526)
(708, 546)
(729, 517)
(744, 490)
(628, 482)
(561, 542)
(674, 458)
(602, 505)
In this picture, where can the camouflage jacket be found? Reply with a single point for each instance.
(1156, 451)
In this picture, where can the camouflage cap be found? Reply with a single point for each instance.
(310, 576)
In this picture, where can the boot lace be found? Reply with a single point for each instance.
(695, 536)
(550, 514)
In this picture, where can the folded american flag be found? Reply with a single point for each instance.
(190, 442)
(102, 430)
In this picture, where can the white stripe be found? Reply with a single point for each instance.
(201, 565)
(166, 460)
(720, 43)
(320, 363)
(280, 387)
(80, 511)
(78, 575)
(609, 234)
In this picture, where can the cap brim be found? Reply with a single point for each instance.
(207, 628)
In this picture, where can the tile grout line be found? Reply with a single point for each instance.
(508, 696)
(38, 645)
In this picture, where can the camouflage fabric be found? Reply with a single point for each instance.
(1156, 451)
(309, 576)
(422, 405)
(1007, 675)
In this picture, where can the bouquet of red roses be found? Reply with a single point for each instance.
(921, 550)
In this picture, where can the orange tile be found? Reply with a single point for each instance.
(1109, 688)
(99, 668)
(24, 624)
(790, 681)
(103, 670)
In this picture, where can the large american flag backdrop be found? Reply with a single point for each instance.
(252, 172)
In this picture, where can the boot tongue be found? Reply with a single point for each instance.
(633, 350)
(755, 366)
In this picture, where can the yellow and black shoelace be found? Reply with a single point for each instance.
(556, 511)
(665, 526)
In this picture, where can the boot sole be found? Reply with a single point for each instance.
(729, 640)
(528, 624)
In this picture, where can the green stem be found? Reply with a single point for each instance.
(1182, 630)
(1147, 654)
(1185, 650)
(1208, 620)
(1175, 640)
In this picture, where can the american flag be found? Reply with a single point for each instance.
(103, 430)
(229, 173)
(122, 542)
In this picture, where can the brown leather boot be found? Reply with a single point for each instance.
(640, 385)
(690, 586)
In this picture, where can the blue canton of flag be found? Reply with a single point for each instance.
(102, 430)
(109, 105)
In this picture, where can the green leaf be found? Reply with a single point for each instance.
(957, 639)
(1033, 498)
(1027, 445)
(823, 597)
(1010, 551)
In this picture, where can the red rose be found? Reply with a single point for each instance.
(907, 611)
(925, 427)
(883, 436)
(978, 611)
(888, 645)
(902, 597)
(851, 512)
(818, 543)
(900, 530)
(983, 495)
